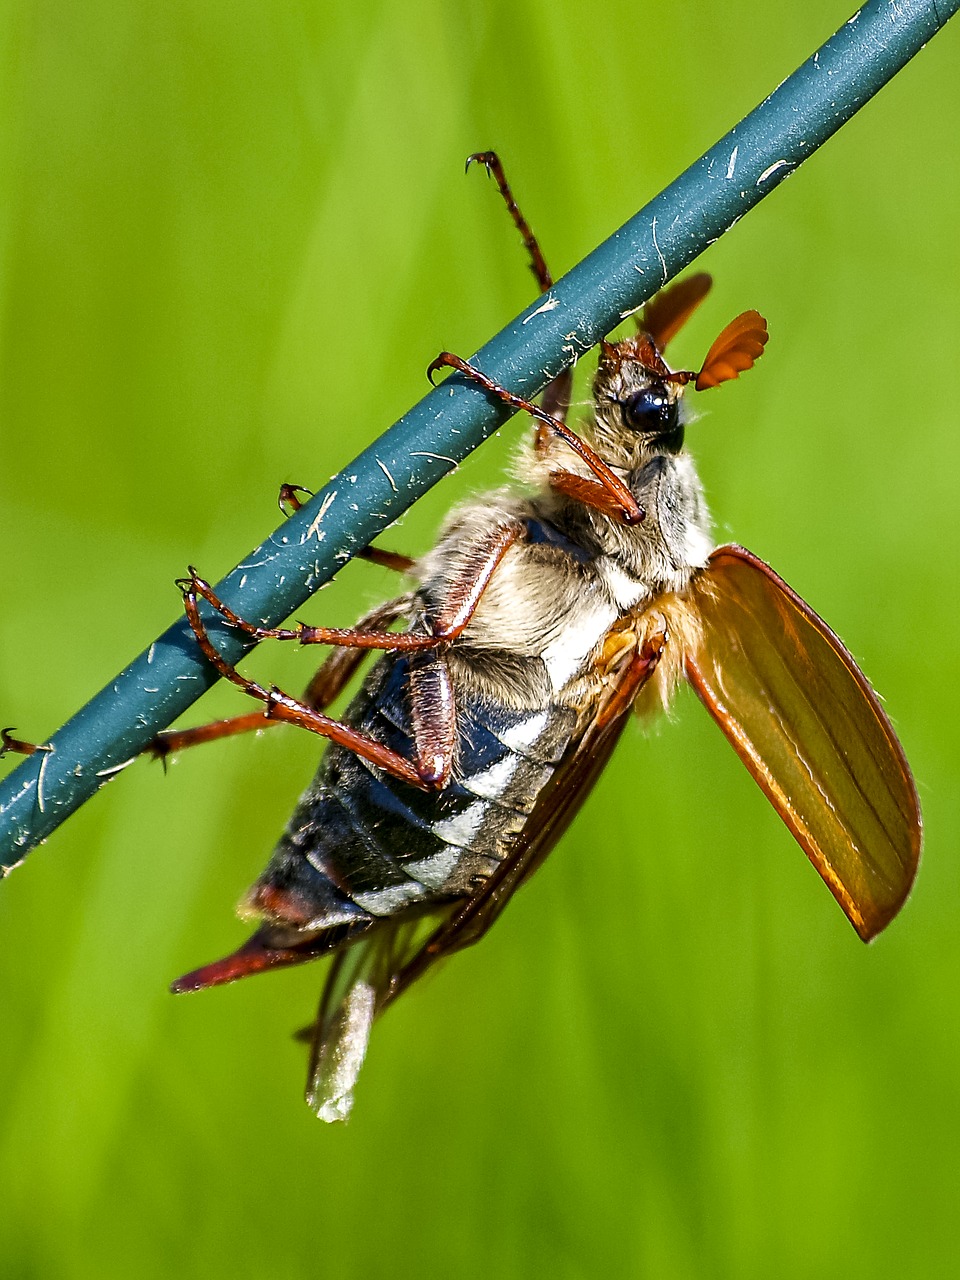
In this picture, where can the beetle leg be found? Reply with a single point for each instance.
(625, 504)
(17, 746)
(387, 559)
(590, 492)
(431, 689)
(450, 621)
(471, 580)
(288, 498)
(434, 717)
(491, 162)
(641, 667)
(194, 586)
(282, 706)
(170, 741)
(556, 397)
(327, 684)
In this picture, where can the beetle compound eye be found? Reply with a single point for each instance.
(650, 410)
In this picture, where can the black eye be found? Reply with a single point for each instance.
(650, 411)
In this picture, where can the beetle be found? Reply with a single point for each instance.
(535, 625)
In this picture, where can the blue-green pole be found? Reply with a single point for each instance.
(275, 579)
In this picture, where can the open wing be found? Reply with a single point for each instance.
(803, 719)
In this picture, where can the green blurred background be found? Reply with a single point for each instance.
(231, 238)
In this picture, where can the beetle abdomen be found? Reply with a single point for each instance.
(361, 844)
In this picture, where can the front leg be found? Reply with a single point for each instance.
(589, 492)
(327, 684)
(622, 501)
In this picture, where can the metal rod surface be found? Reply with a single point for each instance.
(618, 277)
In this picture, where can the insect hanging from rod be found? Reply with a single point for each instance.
(534, 626)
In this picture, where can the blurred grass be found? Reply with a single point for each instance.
(231, 239)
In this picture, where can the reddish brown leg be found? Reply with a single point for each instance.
(170, 741)
(327, 684)
(464, 597)
(289, 502)
(387, 559)
(642, 666)
(431, 691)
(555, 401)
(434, 717)
(434, 721)
(491, 162)
(556, 396)
(282, 707)
(622, 500)
(288, 499)
(589, 492)
(17, 746)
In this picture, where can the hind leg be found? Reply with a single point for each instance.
(327, 684)
(430, 686)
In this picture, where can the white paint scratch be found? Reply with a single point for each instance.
(663, 262)
(315, 527)
(732, 162)
(115, 768)
(383, 468)
(768, 173)
(41, 777)
(551, 304)
(440, 457)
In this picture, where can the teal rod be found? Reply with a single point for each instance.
(617, 278)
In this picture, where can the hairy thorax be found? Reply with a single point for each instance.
(543, 624)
